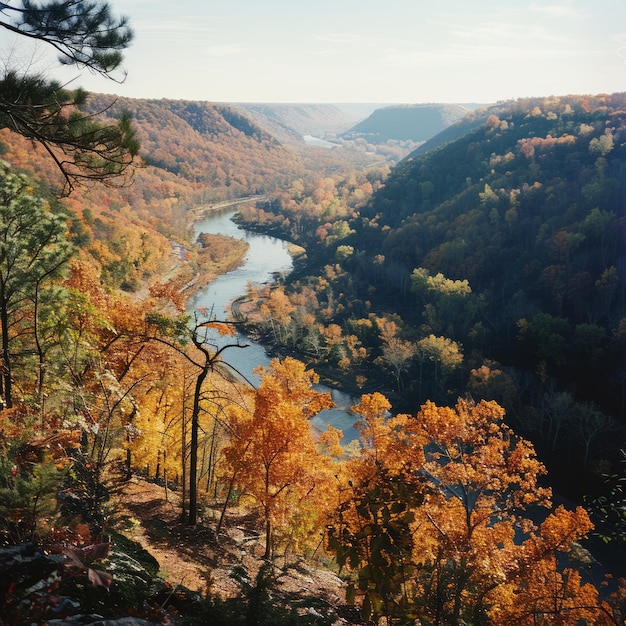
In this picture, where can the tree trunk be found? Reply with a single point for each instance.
(6, 359)
(165, 474)
(268, 537)
(193, 451)
(183, 464)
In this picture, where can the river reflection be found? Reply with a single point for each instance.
(266, 257)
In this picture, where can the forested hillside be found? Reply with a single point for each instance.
(528, 208)
(493, 266)
(472, 297)
(213, 145)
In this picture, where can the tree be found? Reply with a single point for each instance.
(434, 523)
(276, 312)
(33, 252)
(397, 352)
(86, 35)
(207, 359)
(450, 306)
(370, 531)
(444, 353)
(83, 33)
(272, 450)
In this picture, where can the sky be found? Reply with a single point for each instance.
(369, 51)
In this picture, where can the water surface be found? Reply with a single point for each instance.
(266, 256)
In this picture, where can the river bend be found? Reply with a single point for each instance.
(266, 257)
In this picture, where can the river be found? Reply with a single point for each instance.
(266, 257)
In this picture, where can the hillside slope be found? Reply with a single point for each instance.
(290, 122)
(408, 122)
(528, 206)
(206, 143)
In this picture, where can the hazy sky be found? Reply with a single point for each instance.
(370, 51)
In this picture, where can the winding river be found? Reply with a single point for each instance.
(266, 257)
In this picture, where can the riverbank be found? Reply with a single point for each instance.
(205, 210)
(248, 313)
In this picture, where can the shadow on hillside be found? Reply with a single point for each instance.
(162, 524)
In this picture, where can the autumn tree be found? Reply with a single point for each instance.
(396, 352)
(140, 378)
(276, 312)
(445, 355)
(103, 370)
(272, 450)
(442, 500)
(109, 377)
(85, 35)
(157, 436)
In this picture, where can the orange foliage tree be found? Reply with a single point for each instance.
(273, 456)
(105, 359)
(435, 525)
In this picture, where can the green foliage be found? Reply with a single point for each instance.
(609, 508)
(421, 279)
(175, 328)
(85, 495)
(33, 252)
(84, 34)
(547, 337)
(27, 500)
(340, 230)
(379, 551)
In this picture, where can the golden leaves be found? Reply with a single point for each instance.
(223, 330)
(470, 554)
(273, 455)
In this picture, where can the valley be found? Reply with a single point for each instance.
(318, 362)
(466, 289)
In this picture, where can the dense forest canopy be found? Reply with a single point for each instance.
(527, 209)
(472, 296)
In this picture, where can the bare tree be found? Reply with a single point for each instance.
(207, 358)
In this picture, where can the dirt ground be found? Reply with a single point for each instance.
(191, 556)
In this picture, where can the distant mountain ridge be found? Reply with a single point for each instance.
(377, 123)
(290, 122)
(413, 122)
